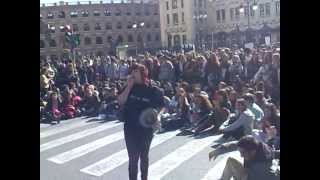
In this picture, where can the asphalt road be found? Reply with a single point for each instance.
(89, 149)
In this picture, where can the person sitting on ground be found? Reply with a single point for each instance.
(257, 158)
(254, 108)
(91, 102)
(260, 100)
(70, 103)
(53, 108)
(241, 125)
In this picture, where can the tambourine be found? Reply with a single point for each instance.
(149, 118)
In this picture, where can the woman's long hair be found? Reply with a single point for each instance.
(205, 104)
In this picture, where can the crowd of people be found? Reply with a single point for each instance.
(235, 92)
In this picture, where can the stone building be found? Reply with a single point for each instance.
(101, 26)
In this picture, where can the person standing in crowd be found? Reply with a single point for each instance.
(212, 71)
(136, 97)
(235, 69)
(166, 70)
(123, 70)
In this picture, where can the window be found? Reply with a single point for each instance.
(148, 37)
(168, 19)
(75, 27)
(184, 39)
(182, 3)
(218, 15)
(231, 13)
(96, 13)
(73, 14)
(107, 12)
(129, 25)
(175, 18)
(97, 27)
(130, 38)
(246, 11)
(204, 3)
(86, 27)
(182, 18)
(120, 39)
(267, 9)
(62, 14)
(174, 4)
(139, 38)
(52, 43)
(42, 44)
(119, 26)
(195, 3)
(169, 40)
(278, 8)
(167, 4)
(118, 12)
(157, 38)
(99, 40)
(52, 28)
(148, 25)
(147, 12)
(237, 13)
(85, 13)
(223, 15)
(128, 12)
(251, 11)
(155, 12)
(108, 26)
(138, 13)
(50, 15)
(200, 3)
(87, 41)
(261, 7)
(156, 25)
(109, 39)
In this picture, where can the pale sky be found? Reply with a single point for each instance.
(57, 1)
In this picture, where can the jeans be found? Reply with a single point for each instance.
(234, 169)
(138, 145)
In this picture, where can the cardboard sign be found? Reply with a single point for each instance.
(267, 40)
(249, 45)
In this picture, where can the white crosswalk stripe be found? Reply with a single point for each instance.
(87, 148)
(115, 160)
(76, 136)
(168, 163)
(103, 165)
(63, 128)
(216, 172)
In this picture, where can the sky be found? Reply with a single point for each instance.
(57, 1)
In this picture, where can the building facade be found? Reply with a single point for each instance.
(233, 26)
(212, 23)
(181, 21)
(101, 26)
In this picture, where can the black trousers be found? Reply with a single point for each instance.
(138, 145)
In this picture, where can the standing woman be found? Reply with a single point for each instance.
(137, 96)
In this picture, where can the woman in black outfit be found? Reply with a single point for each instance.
(137, 96)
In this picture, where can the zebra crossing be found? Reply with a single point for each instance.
(95, 150)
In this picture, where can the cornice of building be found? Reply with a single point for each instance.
(89, 3)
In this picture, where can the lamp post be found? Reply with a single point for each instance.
(249, 3)
(136, 26)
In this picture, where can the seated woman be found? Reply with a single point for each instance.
(178, 112)
(91, 102)
(257, 160)
(202, 117)
(242, 124)
(52, 109)
(70, 103)
(109, 104)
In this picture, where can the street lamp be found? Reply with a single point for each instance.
(254, 8)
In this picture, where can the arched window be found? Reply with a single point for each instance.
(86, 27)
(148, 37)
(107, 12)
(108, 26)
(99, 40)
(129, 25)
(130, 38)
(118, 12)
(87, 41)
(52, 43)
(42, 44)
(157, 37)
(96, 13)
(73, 14)
(128, 12)
(85, 13)
(148, 25)
(119, 26)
